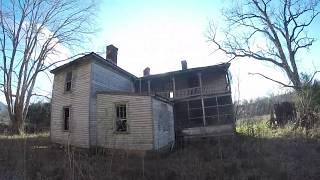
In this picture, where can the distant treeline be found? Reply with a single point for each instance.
(260, 106)
(263, 106)
(38, 117)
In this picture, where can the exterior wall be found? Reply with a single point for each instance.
(77, 99)
(104, 78)
(163, 124)
(218, 81)
(140, 125)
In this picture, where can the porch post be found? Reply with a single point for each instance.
(202, 101)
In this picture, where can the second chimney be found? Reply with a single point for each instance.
(146, 71)
(184, 65)
(112, 53)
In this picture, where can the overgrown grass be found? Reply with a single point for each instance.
(255, 152)
(258, 127)
(25, 136)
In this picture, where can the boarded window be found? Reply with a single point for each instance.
(121, 118)
(66, 118)
(68, 83)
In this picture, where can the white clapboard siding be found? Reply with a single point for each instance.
(104, 78)
(78, 99)
(140, 135)
(163, 124)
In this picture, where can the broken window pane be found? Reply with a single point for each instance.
(121, 117)
(66, 118)
(68, 81)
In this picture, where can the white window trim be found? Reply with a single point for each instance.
(115, 117)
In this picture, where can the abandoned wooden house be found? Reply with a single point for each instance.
(95, 103)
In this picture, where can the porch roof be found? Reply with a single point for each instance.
(219, 67)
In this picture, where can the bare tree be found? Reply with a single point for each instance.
(272, 31)
(31, 32)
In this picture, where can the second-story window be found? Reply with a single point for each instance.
(68, 83)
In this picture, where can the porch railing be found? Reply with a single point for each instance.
(189, 92)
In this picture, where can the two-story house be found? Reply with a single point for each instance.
(97, 103)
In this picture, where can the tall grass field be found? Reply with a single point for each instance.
(255, 152)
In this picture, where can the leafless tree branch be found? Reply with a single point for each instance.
(276, 81)
(281, 25)
(30, 33)
(40, 95)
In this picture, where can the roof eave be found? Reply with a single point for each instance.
(223, 66)
(96, 57)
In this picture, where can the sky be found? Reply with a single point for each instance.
(159, 34)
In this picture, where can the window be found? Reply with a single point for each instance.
(68, 84)
(121, 118)
(66, 118)
(171, 94)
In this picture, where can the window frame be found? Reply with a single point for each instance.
(116, 104)
(64, 118)
(66, 81)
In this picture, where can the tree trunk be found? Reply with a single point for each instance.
(17, 122)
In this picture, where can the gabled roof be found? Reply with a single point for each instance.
(95, 57)
(219, 67)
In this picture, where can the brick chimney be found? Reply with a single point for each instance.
(146, 71)
(112, 53)
(184, 65)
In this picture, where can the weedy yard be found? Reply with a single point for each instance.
(255, 152)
